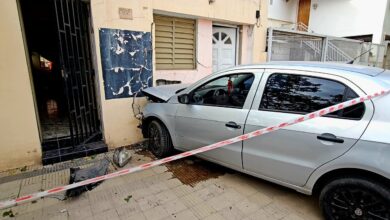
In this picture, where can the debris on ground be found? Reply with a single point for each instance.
(121, 156)
(9, 213)
(78, 174)
(127, 199)
(23, 169)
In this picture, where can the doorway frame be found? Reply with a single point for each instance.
(238, 37)
(94, 69)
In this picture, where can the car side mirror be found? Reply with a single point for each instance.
(184, 99)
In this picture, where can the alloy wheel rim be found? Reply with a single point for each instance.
(155, 138)
(350, 203)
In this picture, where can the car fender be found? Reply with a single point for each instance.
(165, 112)
(367, 156)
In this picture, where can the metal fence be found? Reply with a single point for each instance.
(292, 45)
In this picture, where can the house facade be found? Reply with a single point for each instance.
(356, 19)
(73, 70)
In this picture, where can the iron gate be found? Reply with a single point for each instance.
(78, 79)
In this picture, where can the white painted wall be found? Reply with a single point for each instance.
(386, 25)
(349, 17)
(282, 10)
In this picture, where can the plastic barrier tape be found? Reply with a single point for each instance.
(319, 113)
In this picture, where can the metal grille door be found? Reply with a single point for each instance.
(72, 23)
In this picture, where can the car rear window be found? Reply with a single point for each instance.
(304, 94)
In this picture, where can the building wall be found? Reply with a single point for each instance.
(386, 24)
(19, 136)
(282, 12)
(119, 123)
(348, 18)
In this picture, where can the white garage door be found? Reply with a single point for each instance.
(224, 48)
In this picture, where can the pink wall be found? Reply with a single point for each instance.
(246, 45)
(204, 57)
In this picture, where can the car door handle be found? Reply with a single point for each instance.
(330, 137)
(232, 124)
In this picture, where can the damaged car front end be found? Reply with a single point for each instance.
(157, 96)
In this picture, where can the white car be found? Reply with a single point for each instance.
(344, 157)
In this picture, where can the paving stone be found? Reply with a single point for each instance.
(107, 215)
(276, 211)
(28, 189)
(232, 213)
(80, 213)
(32, 180)
(49, 201)
(55, 179)
(158, 194)
(202, 210)
(54, 211)
(209, 192)
(100, 202)
(215, 216)
(135, 215)
(186, 214)
(157, 188)
(77, 202)
(128, 209)
(160, 169)
(191, 200)
(182, 190)
(292, 217)
(35, 215)
(247, 207)
(233, 196)
(28, 207)
(147, 202)
(156, 213)
(145, 173)
(9, 190)
(219, 202)
(172, 183)
(140, 193)
(260, 199)
(174, 206)
(165, 196)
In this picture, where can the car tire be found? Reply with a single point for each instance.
(159, 143)
(355, 198)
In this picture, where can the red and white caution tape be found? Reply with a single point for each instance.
(319, 113)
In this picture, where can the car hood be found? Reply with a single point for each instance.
(164, 92)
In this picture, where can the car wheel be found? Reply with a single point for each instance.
(159, 143)
(355, 198)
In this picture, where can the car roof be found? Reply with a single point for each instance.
(318, 66)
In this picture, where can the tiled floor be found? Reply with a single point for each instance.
(187, 189)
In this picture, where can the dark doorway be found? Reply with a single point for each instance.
(57, 35)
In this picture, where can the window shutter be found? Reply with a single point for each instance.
(174, 43)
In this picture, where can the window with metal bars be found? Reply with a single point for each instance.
(175, 43)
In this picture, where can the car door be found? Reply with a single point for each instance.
(217, 111)
(291, 154)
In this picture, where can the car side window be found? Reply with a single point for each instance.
(304, 94)
(226, 91)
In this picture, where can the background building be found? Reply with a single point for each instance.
(357, 19)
